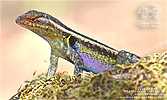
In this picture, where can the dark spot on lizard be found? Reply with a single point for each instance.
(72, 41)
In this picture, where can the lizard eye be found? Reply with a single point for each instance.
(33, 19)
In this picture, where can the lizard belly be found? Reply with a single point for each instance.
(92, 64)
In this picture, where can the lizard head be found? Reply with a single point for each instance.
(41, 23)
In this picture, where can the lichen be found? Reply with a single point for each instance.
(144, 80)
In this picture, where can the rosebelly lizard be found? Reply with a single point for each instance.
(84, 52)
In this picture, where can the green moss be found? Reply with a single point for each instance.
(146, 78)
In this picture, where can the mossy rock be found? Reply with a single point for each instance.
(144, 80)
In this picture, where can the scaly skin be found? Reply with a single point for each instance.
(84, 52)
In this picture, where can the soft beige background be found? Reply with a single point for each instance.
(111, 22)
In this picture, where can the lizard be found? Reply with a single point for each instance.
(84, 52)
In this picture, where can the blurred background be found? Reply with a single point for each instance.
(114, 23)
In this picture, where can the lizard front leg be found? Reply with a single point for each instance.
(53, 65)
(76, 59)
(70, 55)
